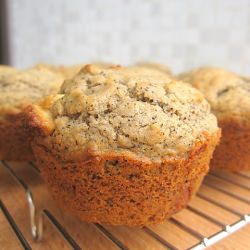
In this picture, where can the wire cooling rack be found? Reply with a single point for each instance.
(29, 218)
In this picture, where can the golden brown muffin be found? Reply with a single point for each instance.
(157, 66)
(120, 146)
(229, 96)
(18, 90)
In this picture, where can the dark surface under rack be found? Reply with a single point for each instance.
(30, 219)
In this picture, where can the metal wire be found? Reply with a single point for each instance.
(61, 230)
(228, 230)
(36, 222)
(110, 236)
(228, 193)
(36, 219)
(14, 226)
(230, 181)
(160, 239)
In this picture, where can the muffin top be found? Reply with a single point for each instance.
(20, 88)
(227, 92)
(126, 109)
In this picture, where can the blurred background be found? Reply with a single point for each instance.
(179, 33)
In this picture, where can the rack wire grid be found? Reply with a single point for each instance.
(31, 220)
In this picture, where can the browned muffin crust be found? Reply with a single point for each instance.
(119, 189)
(233, 152)
(14, 138)
(123, 146)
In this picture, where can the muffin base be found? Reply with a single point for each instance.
(14, 142)
(233, 152)
(121, 188)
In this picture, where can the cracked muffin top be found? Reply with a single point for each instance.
(125, 110)
(20, 88)
(227, 92)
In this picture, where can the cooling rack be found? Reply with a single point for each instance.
(30, 219)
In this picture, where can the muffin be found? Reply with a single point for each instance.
(229, 97)
(18, 90)
(122, 147)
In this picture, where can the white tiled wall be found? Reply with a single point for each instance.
(180, 33)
